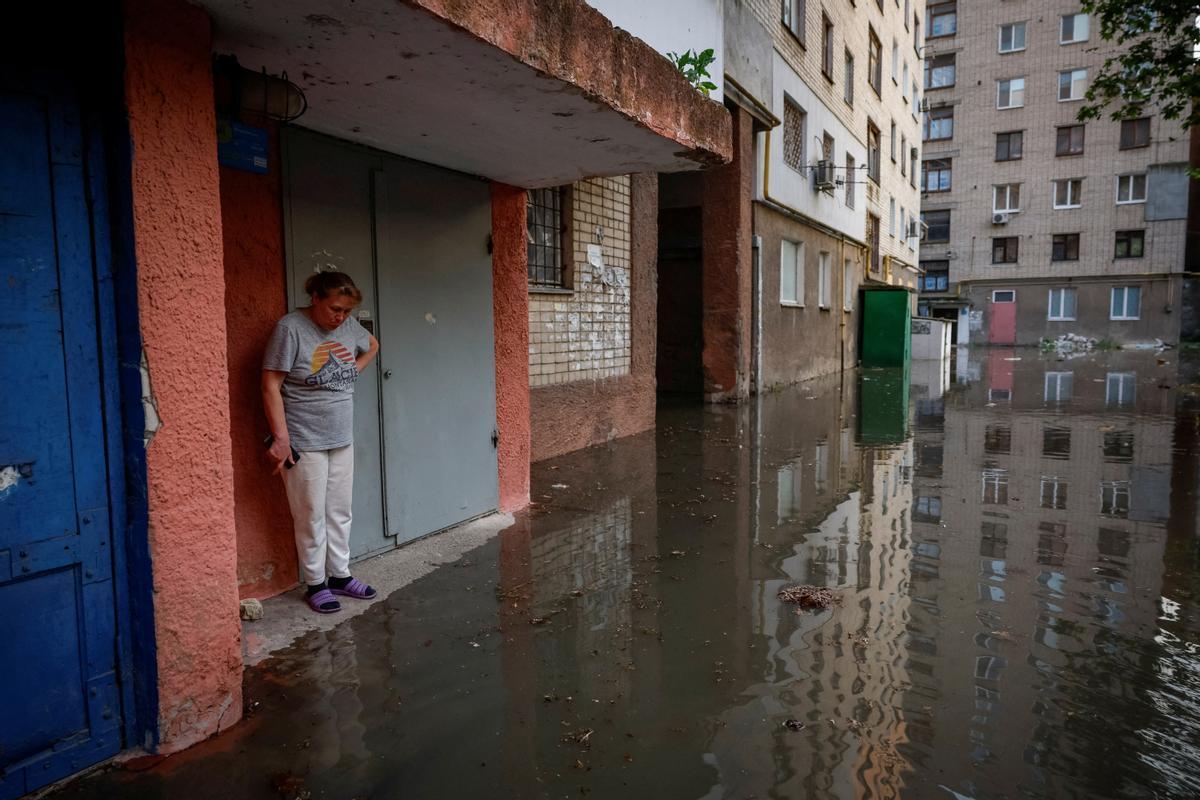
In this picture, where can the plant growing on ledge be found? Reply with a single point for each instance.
(694, 67)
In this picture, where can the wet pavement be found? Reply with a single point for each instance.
(1015, 554)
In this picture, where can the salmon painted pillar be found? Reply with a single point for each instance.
(510, 297)
(726, 268)
(181, 298)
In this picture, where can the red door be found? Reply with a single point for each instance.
(1002, 322)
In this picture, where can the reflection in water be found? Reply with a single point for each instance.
(1016, 560)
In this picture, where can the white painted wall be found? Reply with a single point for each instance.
(793, 188)
(675, 26)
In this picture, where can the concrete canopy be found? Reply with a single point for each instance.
(524, 92)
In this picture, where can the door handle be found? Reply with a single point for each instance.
(387, 373)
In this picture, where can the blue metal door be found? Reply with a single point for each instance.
(59, 694)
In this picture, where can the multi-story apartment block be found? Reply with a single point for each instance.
(835, 195)
(1037, 224)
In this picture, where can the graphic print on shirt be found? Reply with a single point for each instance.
(333, 367)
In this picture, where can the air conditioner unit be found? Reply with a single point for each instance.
(824, 174)
(1000, 218)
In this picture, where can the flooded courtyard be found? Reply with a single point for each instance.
(1014, 557)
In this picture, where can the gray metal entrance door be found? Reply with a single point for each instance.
(438, 358)
(327, 219)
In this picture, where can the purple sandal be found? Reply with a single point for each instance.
(323, 602)
(356, 588)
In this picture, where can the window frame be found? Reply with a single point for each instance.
(848, 77)
(932, 14)
(1008, 198)
(1063, 293)
(1070, 131)
(1076, 196)
(851, 177)
(1140, 239)
(874, 61)
(875, 155)
(949, 61)
(1066, 240)
(927, 171)
(1132, 182)
(930, 227)
(1063, 18)
(790, 105)
(798, 272)
(565, 283)
(1124, 316)
(824, 280)
(1000, 82)
(826, 47)
(1071, 98)
(1020, 145)
(792, 16)
(1009, 248)
(1136, 145)
(927, 125)
(1024, 37)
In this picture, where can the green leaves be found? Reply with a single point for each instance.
(694, 67)
(1156, 71)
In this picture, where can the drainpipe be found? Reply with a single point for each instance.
(757, 345)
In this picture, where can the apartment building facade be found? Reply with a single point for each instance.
(1037, 224)
(835, 195)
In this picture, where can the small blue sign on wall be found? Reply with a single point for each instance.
(241, 146)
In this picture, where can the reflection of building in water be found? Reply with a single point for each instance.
(1038, 547)
(831, 515)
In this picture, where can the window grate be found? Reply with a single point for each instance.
(543, 222)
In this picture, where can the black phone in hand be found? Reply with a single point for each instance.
(270, 440)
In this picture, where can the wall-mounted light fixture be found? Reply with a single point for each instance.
(240, 91)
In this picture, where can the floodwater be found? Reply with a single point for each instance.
(1015, 554)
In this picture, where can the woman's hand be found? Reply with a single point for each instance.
(365, 357)
(280, 453)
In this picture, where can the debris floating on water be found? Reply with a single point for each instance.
(810, 596)
(793, 725)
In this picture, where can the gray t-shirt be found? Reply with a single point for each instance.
(318, 392)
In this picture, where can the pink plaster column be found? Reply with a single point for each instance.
(181, 296)
(510, 298)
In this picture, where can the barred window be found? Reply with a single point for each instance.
(794, 120)
(545, 216)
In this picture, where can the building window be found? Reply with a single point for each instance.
(1114, 498)
(791, 273)
(874, 61)
(917, 34)
(895, 61)
(935, 175)
(904, 84)
(1073, 28)
(1005, 249)
(892, 142)
(824, 280)
(847, 285)
(939, 124)
(1130, 244)
(937, 226)
(873, 152)
(1058, 386)
(851, 178)
(1118, 445)
(995, 487)
(997, 440)
(794, 124)
(1054, 493)
(943, 20)
(1009, 145)
(903, 153)
(873, 241)
(826, 146)
(939, 72)
(1056, 442)
(1061, 307)
(1072, 84)
(1126, 303)
(1010, 93)
(1068, 140)
(892, 217)
(1012, 37)
(1003, 296)
(545, 214)
(916, 100)
(1068, 193)
(936, 277)
(993, 540)
(1131, 188)
(791, 14)
(1006, 197)
(827, 47)
(912, 167)
(1135, 133)
(1120, 388)
(927, 509)
(848, 88)
(1064, 247)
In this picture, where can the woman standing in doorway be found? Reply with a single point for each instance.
(311, 362)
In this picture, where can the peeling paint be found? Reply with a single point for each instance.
(8, 479)
(149, 404)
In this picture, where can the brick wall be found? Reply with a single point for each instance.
(584, 334)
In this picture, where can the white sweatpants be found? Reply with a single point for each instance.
(319, 490)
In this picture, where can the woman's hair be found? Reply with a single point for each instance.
(322, 284)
